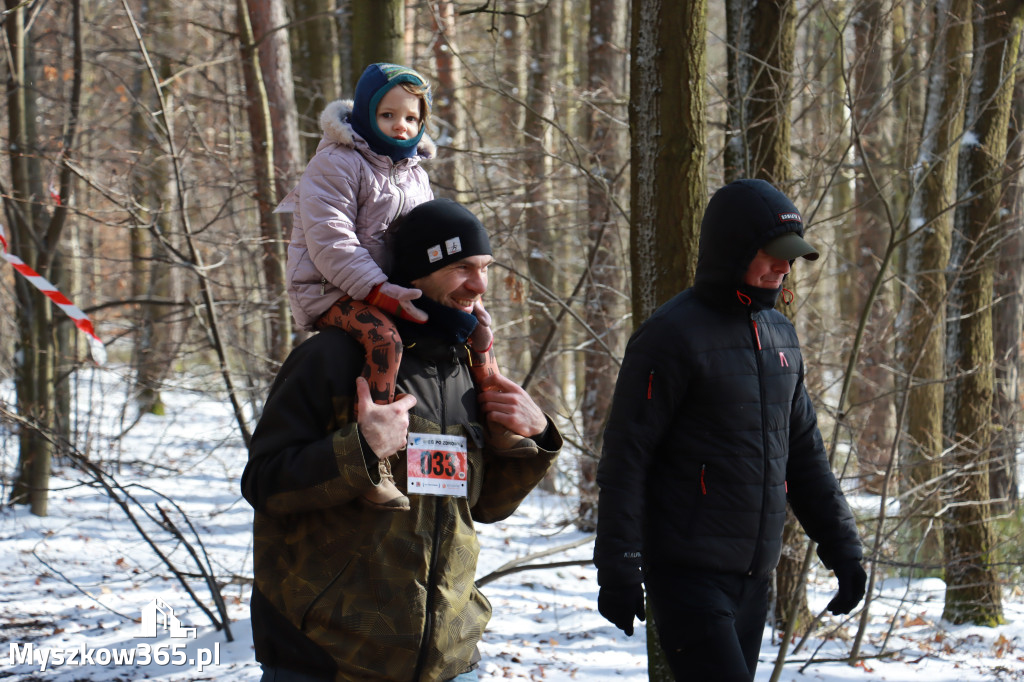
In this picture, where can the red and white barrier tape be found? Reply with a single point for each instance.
(81, 320)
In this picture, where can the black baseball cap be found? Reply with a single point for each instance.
(790, 246)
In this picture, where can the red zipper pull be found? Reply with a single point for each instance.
(650, 384)
(703, 488)
(757, 335)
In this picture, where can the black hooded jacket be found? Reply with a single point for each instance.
(711, 427)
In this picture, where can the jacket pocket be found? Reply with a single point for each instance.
(320, 596)
(696, 492)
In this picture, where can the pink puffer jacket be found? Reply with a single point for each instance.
(344, 202)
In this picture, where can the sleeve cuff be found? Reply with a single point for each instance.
(549, 439)
(369, 458)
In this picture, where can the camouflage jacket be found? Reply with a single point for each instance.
(348, 593)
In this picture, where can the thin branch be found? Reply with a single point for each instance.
(517, 565)
(491, 577)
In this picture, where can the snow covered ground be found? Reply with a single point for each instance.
(82, 589)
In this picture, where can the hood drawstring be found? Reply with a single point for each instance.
(744, 299)
(788, 296)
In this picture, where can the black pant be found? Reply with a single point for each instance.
(272, 674)
(710, 625)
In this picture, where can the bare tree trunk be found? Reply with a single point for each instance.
(1008, 321)
(275, 59)
(445, 172)
(603, 309)
(512, 116)
(34, 451)
(316, 70)
(667, 169)
(972, 588)
(544, 34)
(909, 54)
(378, 34)
(872, 414)
(35, 237)
(762, 37)
(269, 158)
(922, 332)
(667, 166)
(153, 193)
(513, 78)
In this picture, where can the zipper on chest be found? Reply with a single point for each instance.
(399, 192)
(442, 403)
(755, 559)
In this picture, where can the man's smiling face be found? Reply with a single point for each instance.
(458, 285)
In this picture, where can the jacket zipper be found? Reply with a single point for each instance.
(764, 448)
(398, 190)
(428, 627)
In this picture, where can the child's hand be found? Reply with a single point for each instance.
(396, 300)
(482, 337)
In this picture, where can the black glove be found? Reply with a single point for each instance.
(620, 603)
(852, 579)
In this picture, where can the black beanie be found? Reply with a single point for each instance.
(433, 235)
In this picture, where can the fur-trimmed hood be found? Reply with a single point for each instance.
(343, 204)
(334, 122)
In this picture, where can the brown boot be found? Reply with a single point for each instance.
(508, 444)
(386, 496)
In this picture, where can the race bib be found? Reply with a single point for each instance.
(437, 464)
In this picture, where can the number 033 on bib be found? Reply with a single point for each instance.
(437, 464)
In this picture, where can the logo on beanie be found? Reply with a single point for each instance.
(434, 253)
(453, 246)
(790, 218)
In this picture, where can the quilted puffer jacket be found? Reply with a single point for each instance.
(346, 593)
(711, 429)
(344, 202)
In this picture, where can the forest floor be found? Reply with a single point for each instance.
(76, 585)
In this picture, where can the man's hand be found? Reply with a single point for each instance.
(385, 427)
(620, 603)
(513, 408)
(852, 579)
(481, 313)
